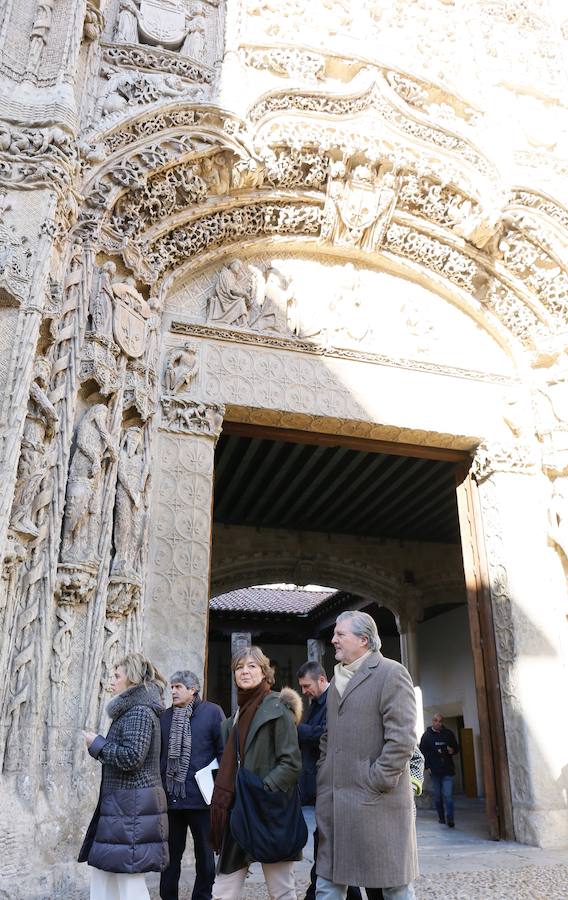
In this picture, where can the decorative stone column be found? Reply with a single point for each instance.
(177, 593)
(528, 594)
(407, 621)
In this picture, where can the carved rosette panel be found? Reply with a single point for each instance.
(178, 591)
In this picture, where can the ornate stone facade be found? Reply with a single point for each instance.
(303, 214)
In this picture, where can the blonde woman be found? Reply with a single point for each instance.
(266, 730)
(128, 834)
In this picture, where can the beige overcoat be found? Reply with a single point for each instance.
(364, 803)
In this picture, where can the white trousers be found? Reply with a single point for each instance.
(279, 881)
(115, 886)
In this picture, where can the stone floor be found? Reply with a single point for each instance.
(455, 864)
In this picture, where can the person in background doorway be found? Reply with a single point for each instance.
(439, 746)
(191, 739)
(313, 683)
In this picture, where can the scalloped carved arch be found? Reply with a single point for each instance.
(344, 574)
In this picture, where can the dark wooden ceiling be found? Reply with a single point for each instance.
(335, 489)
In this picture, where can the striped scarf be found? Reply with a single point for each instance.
(179, 749)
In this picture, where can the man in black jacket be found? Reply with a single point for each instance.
(313, 684)
(438, 745)
(191, 739)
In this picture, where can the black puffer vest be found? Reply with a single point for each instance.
(129, 830)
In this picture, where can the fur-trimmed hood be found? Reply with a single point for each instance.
(293, 701)
(137, 695)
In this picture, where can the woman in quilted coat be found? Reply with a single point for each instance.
(128, 834)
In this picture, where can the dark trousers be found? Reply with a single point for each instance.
(198, 821)
(353, 893)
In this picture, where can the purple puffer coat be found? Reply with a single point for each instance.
(129, 830)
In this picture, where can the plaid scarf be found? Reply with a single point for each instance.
(179, 748)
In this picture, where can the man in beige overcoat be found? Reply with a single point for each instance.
(364, 804)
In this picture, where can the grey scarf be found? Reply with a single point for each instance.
(179, 749)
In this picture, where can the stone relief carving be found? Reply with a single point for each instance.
(182, 243)
(40, 426)
(81, 522)
(130, 505)
(178, 188)
(15, 260)
(40, 30)
(191, 417)
(167, 24)
(94, 22)
(119, 314)
(128, 89)
(153, 59)
(181, 369)
(358, 207)
(247, 296)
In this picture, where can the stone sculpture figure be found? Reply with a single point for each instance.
(194, 43)
(233, 297)
(40, 425)
(127, 25)
(216, 174)
(81, 522)
(130, 510)
(272, 314)
(181, 369)
(102, 302)
(40, 30)
(153, 334)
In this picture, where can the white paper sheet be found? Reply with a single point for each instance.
(205, 782)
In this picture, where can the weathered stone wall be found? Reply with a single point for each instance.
(314, 199)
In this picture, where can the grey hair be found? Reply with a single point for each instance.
(186, 677)
(363, 626)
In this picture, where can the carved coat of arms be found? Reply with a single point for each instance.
(129, 320)
(162, 23)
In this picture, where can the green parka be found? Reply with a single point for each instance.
(272, 753)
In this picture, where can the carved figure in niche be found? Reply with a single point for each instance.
(153, 332)
(81, 522)
(127, 25)
(181, 369)
(130, 509)
(216, 174)
(558, 515)
(40, 30)
(194, 43)
(233, 298)
(274, 303)
(102, 302)
(41, 424)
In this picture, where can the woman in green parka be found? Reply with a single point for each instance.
(266, 723)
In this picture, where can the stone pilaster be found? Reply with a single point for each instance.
(529, 610)
(177, 597)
